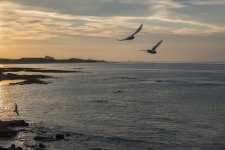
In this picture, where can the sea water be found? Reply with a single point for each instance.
(125, 105)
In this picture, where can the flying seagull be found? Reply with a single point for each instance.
(153, 50)
(131, 37)
(16, 110)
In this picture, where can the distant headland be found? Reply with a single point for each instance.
(46, 59)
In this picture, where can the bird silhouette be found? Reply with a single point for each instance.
(16, 109)
(153, 50)
(132, 36)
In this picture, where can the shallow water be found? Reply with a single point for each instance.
(126, 105)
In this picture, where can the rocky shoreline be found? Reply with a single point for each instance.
(10, 74)
(10, 129)
(20, 135)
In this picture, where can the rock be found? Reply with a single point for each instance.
(30, 144)
(59, 136)
(43, 138)
(13, 123)
(119, 91)
(41, 145)
(13, 146)
(67, 133)
(19, 148)
(2, 148)
(7, 133)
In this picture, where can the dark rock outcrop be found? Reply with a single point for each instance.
(59, 136)
(44, 138)
(9, 74)
(2, 148)
(7, 133)
(12, 147)
(13, 123)
(41, 145)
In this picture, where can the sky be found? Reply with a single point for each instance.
(192, 30)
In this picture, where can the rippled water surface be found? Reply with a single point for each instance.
(126, 105)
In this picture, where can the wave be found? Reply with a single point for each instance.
(186, 82)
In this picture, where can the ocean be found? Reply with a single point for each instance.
(127, 105)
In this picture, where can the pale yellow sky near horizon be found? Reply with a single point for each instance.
(39, 28)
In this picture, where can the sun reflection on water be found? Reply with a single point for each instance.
(1, 100)
(1, 66)
(7, 98)
(5, 105)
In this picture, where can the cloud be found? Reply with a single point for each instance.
(33, 22)
(95, 8)
(205, 2)
(28, 22)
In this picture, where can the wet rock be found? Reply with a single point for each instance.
(42, 131)
(13, 146)
(30, 144)
(13, 123)
(7, 133)
(67, 134)
(44, 138)
(19, 148)
(119, 91)
(28, 79)
(41, 145)
(59, 136)
(2, 148)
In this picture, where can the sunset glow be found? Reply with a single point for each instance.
(38, 28)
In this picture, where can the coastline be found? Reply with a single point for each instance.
(11, 130)
(11, 74)
(47, 59)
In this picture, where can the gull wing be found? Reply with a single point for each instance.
(154, 48)
(132, 35)
(138, 30)
(122, 39)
